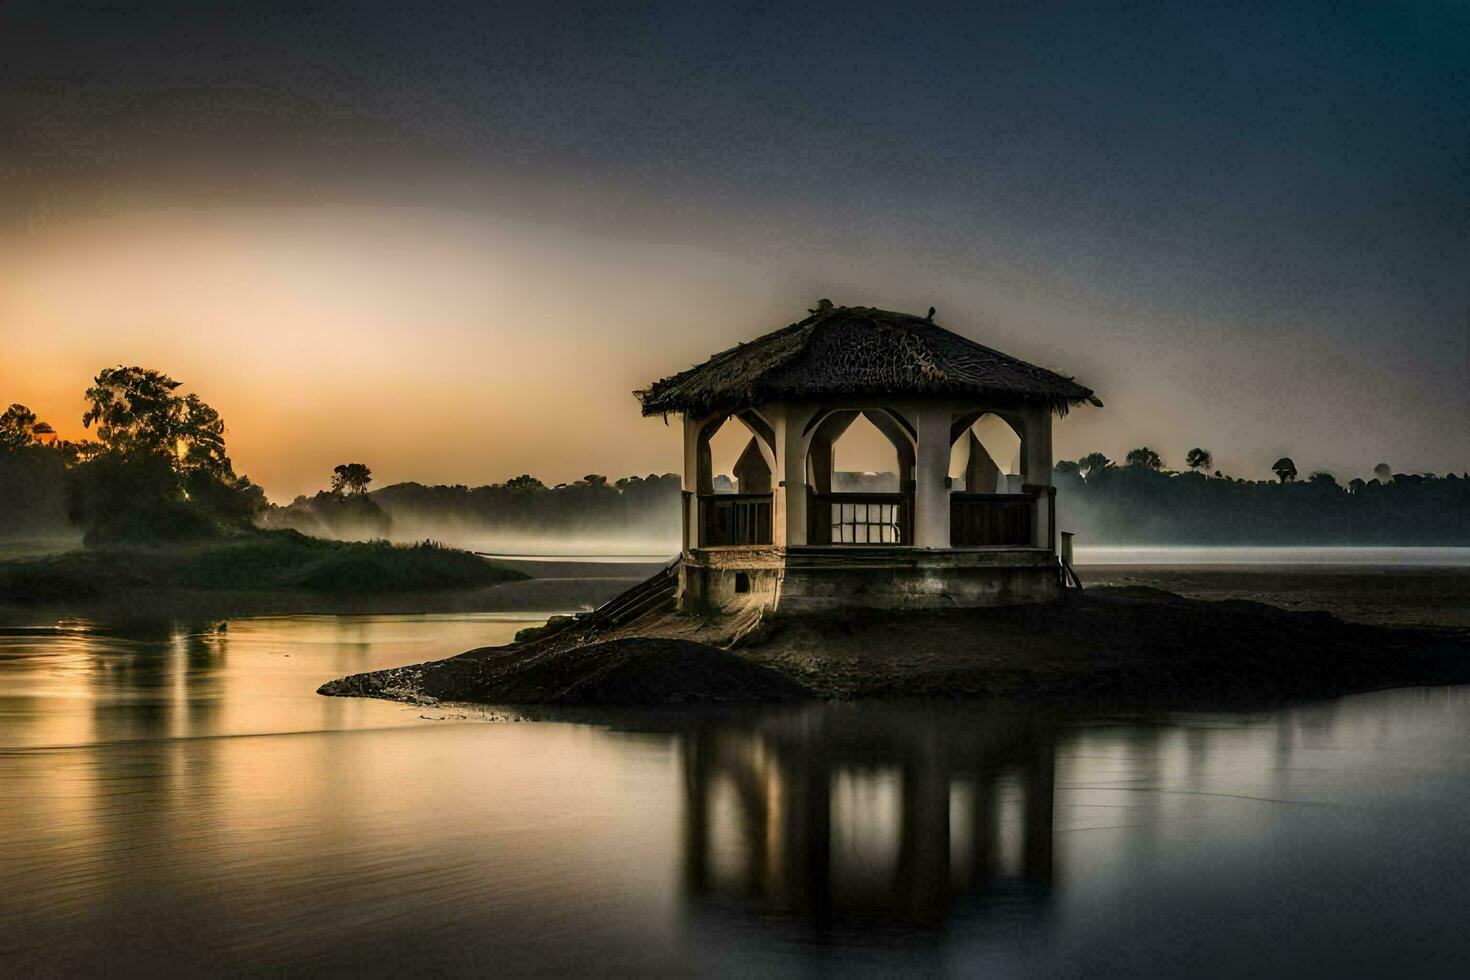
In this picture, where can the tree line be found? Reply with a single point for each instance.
(522, 506)
(154, 467)
(1143, 501)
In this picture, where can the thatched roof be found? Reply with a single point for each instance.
(858, 350)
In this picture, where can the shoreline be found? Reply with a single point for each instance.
(1140, 646)
(546, 596)
(1421, 596)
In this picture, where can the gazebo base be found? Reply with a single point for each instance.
(802, 579)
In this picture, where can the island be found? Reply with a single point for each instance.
(953, 582)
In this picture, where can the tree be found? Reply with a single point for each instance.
(1093, 464)
(1322, 478)
(1199, 459)
(351, 479)
(1144, 458)
(32, 475)
(159, 466)
(595, 480)
(525, 482)
(135, 410)
(139, 497)
(1065, 467)
(199, 444)
(1284, 469)
(19, 428)
(81, 451)
(1384, 472)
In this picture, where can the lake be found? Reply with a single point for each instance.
(1348, 556)
(181, 799)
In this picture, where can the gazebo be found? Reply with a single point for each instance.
(792, 538)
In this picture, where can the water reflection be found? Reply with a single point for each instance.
(181, 799)
(76, 682)
(846, 815)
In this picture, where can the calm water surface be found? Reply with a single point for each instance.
(1350, 556)
(184, 800)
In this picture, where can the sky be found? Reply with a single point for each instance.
(449, 239)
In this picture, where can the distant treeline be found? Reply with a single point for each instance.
(523, 507)
(1142, 502)
(642, 508)
(158, 470)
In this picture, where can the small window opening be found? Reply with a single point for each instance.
(742, 582)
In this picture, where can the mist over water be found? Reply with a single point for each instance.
(634, 543)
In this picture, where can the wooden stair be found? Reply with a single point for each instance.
(654, 594)
(1070, 579)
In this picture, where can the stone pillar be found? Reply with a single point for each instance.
(1036, 445)
(1036, 467)
(692, 451)
(692, 448)
(788, 516)
(688, 506)
(819, 454)
(931, 476)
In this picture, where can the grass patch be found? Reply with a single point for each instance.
(551, 627)
(264, 561)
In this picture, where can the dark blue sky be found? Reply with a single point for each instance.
(1259, 211)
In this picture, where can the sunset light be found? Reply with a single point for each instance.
(571, 488)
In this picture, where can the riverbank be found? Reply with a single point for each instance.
(1414, 595)
(264, 572)
(1135, 645)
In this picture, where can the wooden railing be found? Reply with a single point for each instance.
(979, 520)
(859, 518)
(975, 519)
(734, 519)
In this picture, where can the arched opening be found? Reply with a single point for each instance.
(734, 481)
(737, 464)
(986, 457)
(864, 460)
(860, 479)
(988, 502)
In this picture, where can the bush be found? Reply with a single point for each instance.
(32, 490)
(116, 498)
(261, 561)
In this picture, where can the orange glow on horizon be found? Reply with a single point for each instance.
(433, 348)
(451, 347)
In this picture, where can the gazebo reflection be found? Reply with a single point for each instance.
(900, 814)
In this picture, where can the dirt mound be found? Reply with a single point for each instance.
(1138, 644)
(633, 670)
(1143, 646)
